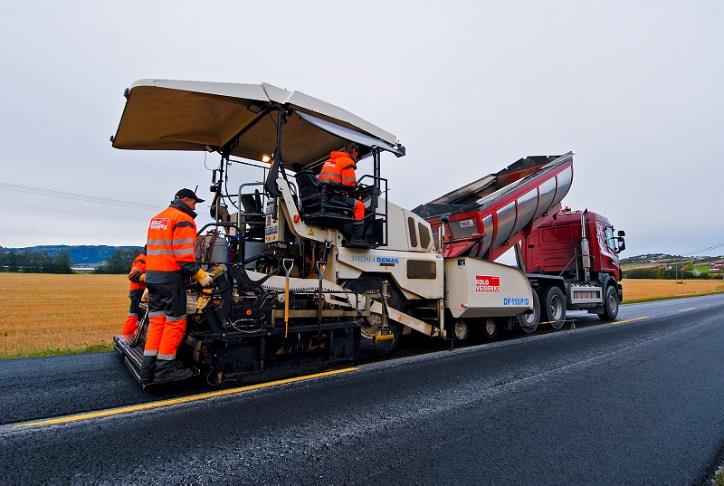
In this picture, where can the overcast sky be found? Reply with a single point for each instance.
(635, 89)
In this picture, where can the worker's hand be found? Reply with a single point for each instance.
(144, 297)
(203, 278)
(142, 278)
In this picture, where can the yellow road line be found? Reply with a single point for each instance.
(687, 309)
(172, 401)
(633, 319)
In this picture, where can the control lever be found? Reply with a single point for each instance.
(287, 264)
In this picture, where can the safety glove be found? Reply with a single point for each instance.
(203, 278)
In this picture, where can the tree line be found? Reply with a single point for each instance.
(40, 262)
(34, 262)
(119, 262)
(663, 273)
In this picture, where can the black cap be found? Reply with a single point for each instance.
(187, 193)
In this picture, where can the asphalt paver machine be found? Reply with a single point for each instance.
(290, 293)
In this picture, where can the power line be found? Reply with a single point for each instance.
(708, 248)
(105, 201)
(77, 213)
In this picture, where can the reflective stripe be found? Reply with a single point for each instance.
(150, 352)
(183, 241)
(171, 320)
(187, 251)
(184, 224)
(159, 242)
(159, 252)
(131, 314)
(156, 314)
(349, 179)
(166, 357)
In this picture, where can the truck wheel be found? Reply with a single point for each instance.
(610, 304)
(490, 329)
(461, 331)
(529, 322)
(554, 307)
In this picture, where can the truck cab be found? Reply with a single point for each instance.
(577, 252)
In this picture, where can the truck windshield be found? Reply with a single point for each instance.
(611, 240)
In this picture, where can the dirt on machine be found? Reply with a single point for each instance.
(292, 294)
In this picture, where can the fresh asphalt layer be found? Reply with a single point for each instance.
(641, 400)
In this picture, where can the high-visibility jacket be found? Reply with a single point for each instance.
(170, 245)
(138, 268)
(339, 169)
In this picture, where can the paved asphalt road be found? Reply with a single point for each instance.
(637, 402)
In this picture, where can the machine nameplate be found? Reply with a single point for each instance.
(384, 261)
(487, 283)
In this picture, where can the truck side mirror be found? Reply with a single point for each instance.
(621, 243)
(621, 233)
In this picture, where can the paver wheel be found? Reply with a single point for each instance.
(490, 329)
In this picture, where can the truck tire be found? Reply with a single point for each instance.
(610, 304)
(529, 322)
(490, 329)
(553, 309)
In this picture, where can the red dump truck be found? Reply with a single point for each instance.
(572, 263)
(570, 258)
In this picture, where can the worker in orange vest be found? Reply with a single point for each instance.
(340, 169)
(170, 260)
(137, 276)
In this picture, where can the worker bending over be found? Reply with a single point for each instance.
(170, 261)
(137, 276)
(340, 169)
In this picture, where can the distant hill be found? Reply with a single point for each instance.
(665, 258)
(663, 265)
(89, 256)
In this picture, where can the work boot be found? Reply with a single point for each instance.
(148, 366)
(168, 370)
(356, 234)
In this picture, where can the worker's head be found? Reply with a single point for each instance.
(353, 151)
(188, 197)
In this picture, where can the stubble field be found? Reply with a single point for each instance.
(48, 314)
(44, 313)
(638, 290)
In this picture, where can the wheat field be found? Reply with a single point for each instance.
(635, 290)
(42, 312)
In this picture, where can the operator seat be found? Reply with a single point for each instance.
(253, 214)
(322, 203)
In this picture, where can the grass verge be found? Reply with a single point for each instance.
(46, 353)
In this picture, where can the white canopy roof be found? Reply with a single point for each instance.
(194, 115)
